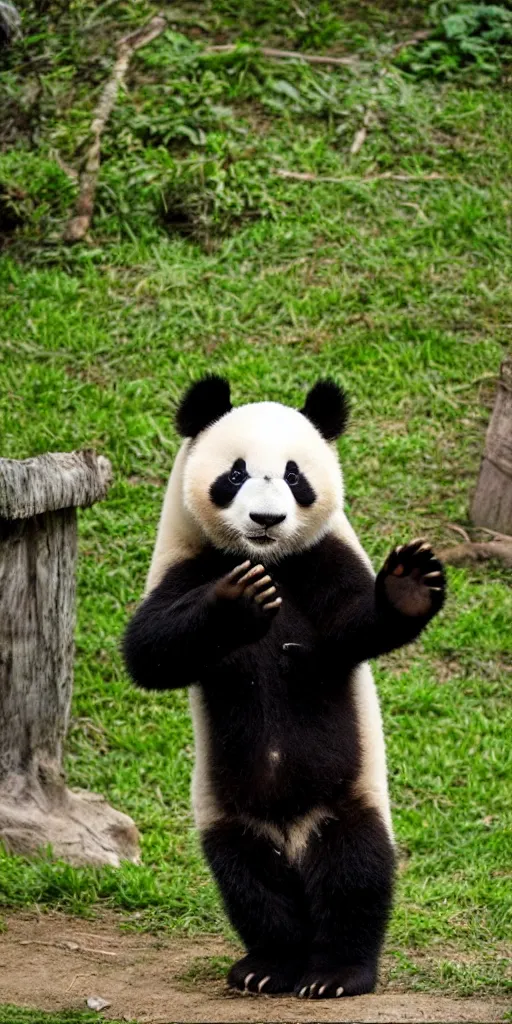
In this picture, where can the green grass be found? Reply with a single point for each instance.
(204, 969)
(201, 257)
(22, 1015)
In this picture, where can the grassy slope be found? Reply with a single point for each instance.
(400, 290)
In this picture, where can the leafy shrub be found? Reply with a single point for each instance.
(213, 196)
(464, 35)
(34, 194)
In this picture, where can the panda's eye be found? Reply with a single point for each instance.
(292, 474)
(238, 473)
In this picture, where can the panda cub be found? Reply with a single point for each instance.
(262, 601)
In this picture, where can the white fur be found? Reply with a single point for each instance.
(372, 784)
(294, 840)
(178, 536)
(266, 435)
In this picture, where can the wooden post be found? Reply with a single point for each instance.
(492, 503)
(38, 547)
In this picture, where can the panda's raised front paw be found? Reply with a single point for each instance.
(413, 579)
(252, 585)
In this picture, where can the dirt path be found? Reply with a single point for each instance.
(54, 962)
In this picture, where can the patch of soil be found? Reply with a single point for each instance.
(53, 962)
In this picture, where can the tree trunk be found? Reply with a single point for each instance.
(492, 503)
(38, 552)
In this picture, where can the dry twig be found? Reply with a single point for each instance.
(460, 529)
(360, 136)
(268, 51)
(73, 947)
(126, 47)
(385, 176)
(419, 37)
(359, 139)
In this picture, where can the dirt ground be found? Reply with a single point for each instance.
(54, 962)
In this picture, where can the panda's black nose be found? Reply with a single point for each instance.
(266, 518)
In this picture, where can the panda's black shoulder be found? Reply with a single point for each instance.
(330, 563)
(207, 565)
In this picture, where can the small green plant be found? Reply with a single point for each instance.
(206, 969)
(34, 195)
(464, 35)
(211, 196)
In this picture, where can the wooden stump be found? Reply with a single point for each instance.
(38, 549)
(492, 503)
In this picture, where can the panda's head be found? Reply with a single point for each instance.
(261, 480)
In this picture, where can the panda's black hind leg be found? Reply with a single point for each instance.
(348, 875)
(264, 900)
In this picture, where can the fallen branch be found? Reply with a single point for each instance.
(460, 530)
(268, 51)
(88, 180)
(385, 176)
(470, 554)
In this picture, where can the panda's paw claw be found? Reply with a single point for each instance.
(413, 578)
(332, 982)
(261, 976)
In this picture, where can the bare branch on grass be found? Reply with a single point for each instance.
(88, 180)
(460, 530)
(385, 176)
(418, 37)
(269, 51)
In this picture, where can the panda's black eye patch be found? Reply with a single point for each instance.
(238, 473)
(292, 474)
(299, 485)
(225, 487)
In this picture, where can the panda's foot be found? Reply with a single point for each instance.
(413, 579)
(264, 976)
(332, 982)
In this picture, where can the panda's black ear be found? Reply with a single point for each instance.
(327, 407)
(206, 401)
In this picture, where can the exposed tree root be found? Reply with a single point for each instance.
(470, 554)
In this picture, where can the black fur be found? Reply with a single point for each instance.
(225, 488)
(327, 407)
(320, 920)
(204, 403)
(282, 682)
(299, 485)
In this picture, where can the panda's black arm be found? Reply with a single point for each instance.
(184, 628)
(368, 626)
(362, 617)
(168, 640)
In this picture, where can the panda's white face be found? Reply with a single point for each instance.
(262, 482)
